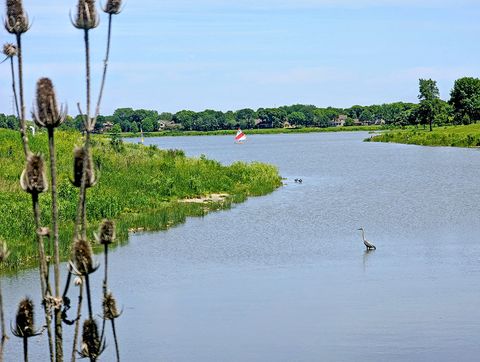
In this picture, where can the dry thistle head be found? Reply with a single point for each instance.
(4, 253)
(24, 327)
(16, 21)
(92, 346)
(10, 50)
(113, 7)
(106, 234)
(82, 257)
(79, 158)
(87, 17)
(110, 310)
(47, 113)
(34, 177)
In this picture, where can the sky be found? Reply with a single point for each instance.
(170, 55)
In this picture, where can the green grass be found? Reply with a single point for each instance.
(139, 187)
(453, 136)
(254, 131)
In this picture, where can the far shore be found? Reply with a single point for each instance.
(251, 131)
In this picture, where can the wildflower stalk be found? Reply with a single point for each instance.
(77, 322)
(44, 284)
(58, 309)
(117, 350)
(2, 317)
(23, 131)
(14, 88)
(105, 66)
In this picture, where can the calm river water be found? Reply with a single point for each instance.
(285, 277)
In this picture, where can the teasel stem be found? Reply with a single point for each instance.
(117, 350)
(89, 299)
(14, 87)
(77, 323)
(105, 286)
(105, 66)
(56, 268)
(2, 317)
(23, 131)
(25, 349)
(44, 284)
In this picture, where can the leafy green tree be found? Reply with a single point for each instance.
(116, 129)
(297, 118)
(134, 127)
(165, 116)
(429, 101)
(465, 99)
(349, 122)
(185, 118)
(149, 124)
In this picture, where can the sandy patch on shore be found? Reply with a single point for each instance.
(208, 198)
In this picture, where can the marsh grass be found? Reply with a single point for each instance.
(451, 136)
(139, 189)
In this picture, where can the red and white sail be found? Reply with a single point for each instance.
(240, 136)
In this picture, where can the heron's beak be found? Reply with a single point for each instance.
(359, 229)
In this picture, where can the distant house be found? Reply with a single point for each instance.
(168, 125)
(260, 123)
(287, 124)
(339, 121)
(357, 122)
(379, 122)
(107, 127)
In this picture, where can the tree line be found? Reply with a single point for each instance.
(463, 107)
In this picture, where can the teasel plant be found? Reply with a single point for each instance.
(3, 256)
(106, 236)
(10, 52)
(24, 324)
(17, 23)
(48, 115)
(33, 180)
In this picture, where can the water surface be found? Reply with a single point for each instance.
(285, 277)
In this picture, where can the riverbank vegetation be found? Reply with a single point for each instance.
(139, 188)
(454, 136)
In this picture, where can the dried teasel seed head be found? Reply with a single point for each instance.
(82, 257)
(4, 253)
(106, 234)
(10, 50)
(24, 320)
(34, 177)
(113, 7)
(110, 310)
(87, 17)
(47, 114)
(91, 343)
(79, 158)
(16, 21)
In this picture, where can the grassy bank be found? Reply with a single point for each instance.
(454, 136)
(254, 131)
(138, 186)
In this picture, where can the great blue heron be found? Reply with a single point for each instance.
(367, 243)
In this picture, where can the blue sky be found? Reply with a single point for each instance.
(170, 55)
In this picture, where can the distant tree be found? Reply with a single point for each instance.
(465, 99)
(116, 128)
(349, 122)
(297, 118)
(429, 101)
(134, 127)
(149, 124)
(165, 116)
(185, 118)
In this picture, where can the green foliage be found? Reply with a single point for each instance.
(138, 187)
(465, 99)
(454, 136)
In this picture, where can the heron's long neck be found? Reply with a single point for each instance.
(363, 235)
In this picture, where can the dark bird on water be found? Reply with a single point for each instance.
(367, 243)
(299, 180)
